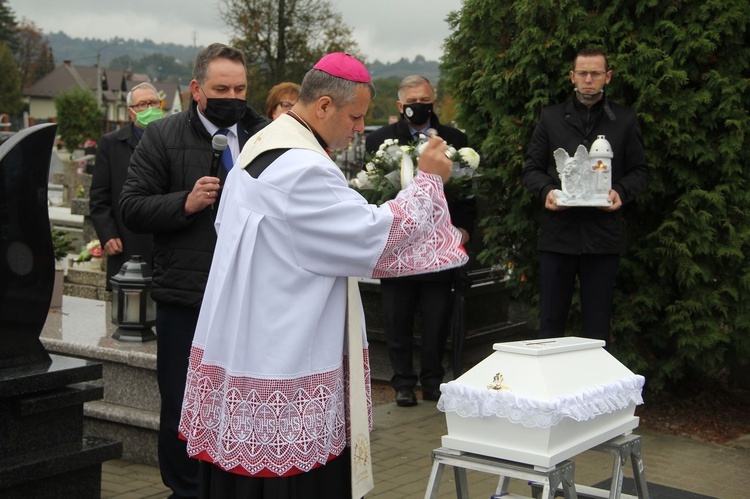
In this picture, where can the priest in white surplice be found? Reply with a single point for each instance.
(267, 403)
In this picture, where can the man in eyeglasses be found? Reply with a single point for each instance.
(583, 242)
(427, 295)
(110, 169)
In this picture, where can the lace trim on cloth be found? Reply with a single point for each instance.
(262, 425)
(421, 236)
(472, 402)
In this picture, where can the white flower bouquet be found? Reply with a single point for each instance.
(380, 179)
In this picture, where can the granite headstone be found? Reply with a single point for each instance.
(27, 262)
(43, 452)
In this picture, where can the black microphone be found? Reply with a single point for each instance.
(219, 143)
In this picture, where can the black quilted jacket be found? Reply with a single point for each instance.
(172, 155)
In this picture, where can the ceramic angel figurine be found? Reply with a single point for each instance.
(586, 177)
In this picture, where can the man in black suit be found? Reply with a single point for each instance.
(428, 294)
(583, 242)
(110, 170)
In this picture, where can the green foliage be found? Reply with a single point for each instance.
(384, 103)
(63, 243)
(79, 117)
(7, 25)
(10, 83)
(684, 67)
(283, 39)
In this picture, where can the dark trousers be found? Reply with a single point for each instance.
(175, 327)
(332, 481)
(596, 275)
(402, 299)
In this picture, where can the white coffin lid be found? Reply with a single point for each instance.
(548, 380)
(548, 346)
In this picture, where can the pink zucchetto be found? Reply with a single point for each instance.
(344, 66)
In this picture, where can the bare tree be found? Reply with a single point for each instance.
(10, 83)
(33, 54)
(282, 39)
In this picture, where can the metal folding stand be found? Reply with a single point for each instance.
(551, 478)
(621, 447)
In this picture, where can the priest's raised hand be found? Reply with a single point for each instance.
(434, 158)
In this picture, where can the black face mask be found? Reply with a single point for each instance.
(418, 113)
(225, 112)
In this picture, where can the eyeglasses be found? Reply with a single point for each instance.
(285, 105)
(142, 106)
(596, 75)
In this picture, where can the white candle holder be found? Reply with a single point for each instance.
(586, 177)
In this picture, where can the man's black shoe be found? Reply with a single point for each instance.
(405, 397)
(430, 393)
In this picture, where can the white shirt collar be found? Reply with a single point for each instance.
(233, 140)
(211, 128)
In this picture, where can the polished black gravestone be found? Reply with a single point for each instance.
(43, 452)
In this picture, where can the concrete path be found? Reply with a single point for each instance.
(404, 438)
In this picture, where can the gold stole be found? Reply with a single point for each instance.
(362, 480)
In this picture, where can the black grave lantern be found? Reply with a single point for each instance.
(133, 309)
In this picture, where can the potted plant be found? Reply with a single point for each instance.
(62, 244)
(92, 253)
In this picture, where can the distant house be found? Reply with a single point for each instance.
(115, 84)
(187, 98)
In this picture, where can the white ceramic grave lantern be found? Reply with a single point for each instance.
(133, 309)
(540, 402)
(586, 177)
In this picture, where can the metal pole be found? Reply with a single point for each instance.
(99, 78)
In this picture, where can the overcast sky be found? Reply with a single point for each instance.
(386, 30)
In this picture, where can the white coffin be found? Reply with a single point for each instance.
(565, 396)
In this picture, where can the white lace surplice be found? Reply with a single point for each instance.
(266, 385)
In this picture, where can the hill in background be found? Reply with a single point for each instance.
(83, 52)
(403, 67)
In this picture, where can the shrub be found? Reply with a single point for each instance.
(62, 243)
(79, 117)
(684, 275)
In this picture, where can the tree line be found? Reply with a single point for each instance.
(25, 56)
(281, 40)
